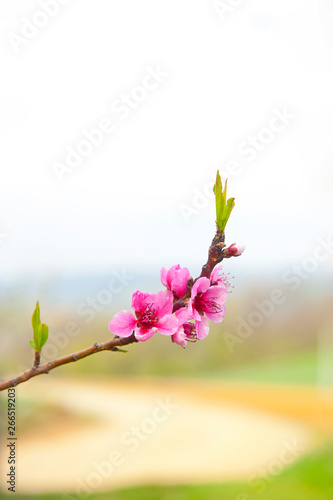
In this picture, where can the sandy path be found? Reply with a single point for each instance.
(149, 432)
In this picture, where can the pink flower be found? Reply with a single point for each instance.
(188, 331)
(207, 299)
(234, 250)
(175, 279)
(218, 279)
(153, 312)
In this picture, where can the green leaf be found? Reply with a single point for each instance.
(218, 196)
(35, 320)
(41, 331)
(223, 206)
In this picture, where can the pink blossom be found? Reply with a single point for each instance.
(234, 250)
(153, 312)
(207, 299)
(175, 279)
(218, 278)
(187, 330)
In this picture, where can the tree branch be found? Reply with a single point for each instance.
(109, 345)
(215, 255)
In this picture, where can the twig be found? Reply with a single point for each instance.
(109, 345)
(215, 254)
(37, 359)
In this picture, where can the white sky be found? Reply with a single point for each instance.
(122, 204)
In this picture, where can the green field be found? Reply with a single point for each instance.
(309, 479)
(296, 368)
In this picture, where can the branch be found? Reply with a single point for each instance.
(109, 345)
(37, 359)
(216, 254)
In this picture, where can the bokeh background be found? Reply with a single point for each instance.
(114, 118)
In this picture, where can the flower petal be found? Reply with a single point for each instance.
(217, 317)
(200, 286)
(171, 274)
(142, 335)
(202, 328)
(167, 325)
(192, 312)
(179, 281)
(164, 273)
(164, 302)
(215, 274)
(122, 324)
(139, 300)
(182, 315)
(179, 337)
(218, 293)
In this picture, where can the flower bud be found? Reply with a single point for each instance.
(234, 250)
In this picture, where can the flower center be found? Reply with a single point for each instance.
(189, 330)
(148, 317)
(203, 304)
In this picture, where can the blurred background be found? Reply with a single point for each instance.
(114, 118)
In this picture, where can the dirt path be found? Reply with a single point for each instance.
(134, 432)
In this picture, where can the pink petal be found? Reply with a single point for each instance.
(164, 273)
(179, 337)
(139, 300)
(164, 302)
(219, 293)
(122, 324)
(202, 328)
(171, 274)
(167, 325)
(216, 317)
(182, 315)
(142, 335)
(235, 250)
(200, 286)
(179, 281)
(192, 312)
(215, 274)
